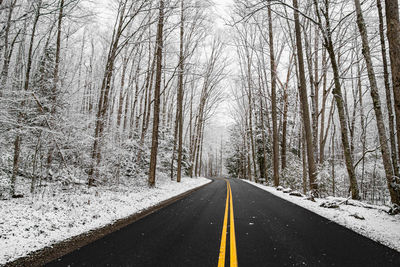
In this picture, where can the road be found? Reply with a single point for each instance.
(266, 231)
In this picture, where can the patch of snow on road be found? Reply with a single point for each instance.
(369, 220)
(32, 223)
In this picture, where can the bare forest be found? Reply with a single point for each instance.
(113, 110)
(121, 92)
(315, 104)
(107, 93)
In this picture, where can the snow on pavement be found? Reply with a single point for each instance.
(32, 223)
(376, 225)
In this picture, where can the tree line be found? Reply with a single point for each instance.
(105, 92)
(317, 94)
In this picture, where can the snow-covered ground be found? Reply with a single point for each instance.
(373, 221)
(34, 222)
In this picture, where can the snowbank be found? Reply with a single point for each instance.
(369, 220)
(32, 223)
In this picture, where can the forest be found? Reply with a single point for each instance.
(122, 92)
(316, 97)
(106, 94)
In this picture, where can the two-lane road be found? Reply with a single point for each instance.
(268, 231)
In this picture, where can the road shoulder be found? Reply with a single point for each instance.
(368, 220)
(148, 204)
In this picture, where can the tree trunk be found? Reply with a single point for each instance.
(387, 91)
(103, 104)
(333, 160)
(312, 170)
(264, 140)
(18, 138)
(121, 92)
(285, 114)
(156, 113)
(304, 160)
(363, 127)
(387, 163)
(343, 124)
(7, 48)
(337, 93)
(17, 148)
(250, 99)
(54, 92)
(180, 97)
(175, 143)
(275, 136)
(314, 93)
(393, 35)
(58, 52)
(316, 96)
(322, 137)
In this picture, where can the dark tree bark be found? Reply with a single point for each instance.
(103, 104)
(264, 171)
(337, 93)
(18, 138)
(58, 52)
(179, 106)
(285, 114)
(325, 92)
(122, 92)
(180, 96)
(8, 48)
(393, 35)
(156, 113)
(312, 170)
(250, 129)
(387, 162)
(54, 92)
(387, 91)
(275, 136)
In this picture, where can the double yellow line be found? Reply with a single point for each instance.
(222, 250)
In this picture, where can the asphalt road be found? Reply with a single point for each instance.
(269, 231)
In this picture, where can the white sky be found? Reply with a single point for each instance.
(219, 124)
(222, 8)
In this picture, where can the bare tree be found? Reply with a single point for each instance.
(275, 137)
(156, 113)
(387, 162)
(393, 35)
(389, 101)
(312, 170)
(326, 32)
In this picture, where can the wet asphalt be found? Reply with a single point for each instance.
(269, 232)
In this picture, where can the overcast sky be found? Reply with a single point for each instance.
(220, 123)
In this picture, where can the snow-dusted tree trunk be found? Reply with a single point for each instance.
(312, 170)
(104, 99)
(8, 47)
(389, 101)
(387, 162)
(18, 138)
(393, 35)
(180, 96)
(156, 112)
(337, 93)
(275, 136)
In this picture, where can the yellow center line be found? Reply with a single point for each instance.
(233, 259)
(222, 250)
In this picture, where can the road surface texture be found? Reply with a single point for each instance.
(269, 231)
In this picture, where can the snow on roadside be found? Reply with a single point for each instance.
(32, 223)
(376, 225)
